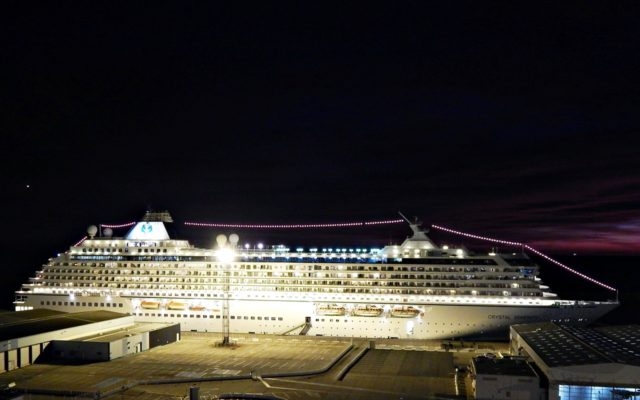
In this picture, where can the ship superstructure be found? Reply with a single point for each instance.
(413, 290)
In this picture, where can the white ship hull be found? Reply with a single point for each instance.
(435, 320)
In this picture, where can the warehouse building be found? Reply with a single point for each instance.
(504, 378)
(53, 336)
(581, 362)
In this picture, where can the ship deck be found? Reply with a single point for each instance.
(286, 367)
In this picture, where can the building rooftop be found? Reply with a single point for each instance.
(559, 345)
(619, 344)
(135, 329)
(27, 323)
(513, 366)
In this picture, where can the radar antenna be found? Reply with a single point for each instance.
(162, 216)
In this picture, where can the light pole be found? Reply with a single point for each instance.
(226, 254)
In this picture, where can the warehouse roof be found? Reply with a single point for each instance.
(560, 345)
(17, 324)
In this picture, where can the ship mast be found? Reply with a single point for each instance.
(415, 227)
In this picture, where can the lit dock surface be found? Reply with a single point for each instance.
(287, 367)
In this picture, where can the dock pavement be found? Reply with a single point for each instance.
(278, 367)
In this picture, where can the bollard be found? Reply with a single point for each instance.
(194, 393)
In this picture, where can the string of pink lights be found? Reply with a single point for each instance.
(111, 226)
(80, 241)
(293, 226)
(526, 246)
(370, 223)
(128, 224)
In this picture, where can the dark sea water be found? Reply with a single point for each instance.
(621, 272)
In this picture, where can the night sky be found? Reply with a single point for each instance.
(492, 118)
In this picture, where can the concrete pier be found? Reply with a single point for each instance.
(287, 367)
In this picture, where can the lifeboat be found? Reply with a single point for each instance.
(150, 305)
(197, 307)
(176, 305)
(367, 311)
(405, 312)
(331, 309)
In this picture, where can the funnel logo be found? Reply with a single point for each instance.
(146, 228)
(147, 231)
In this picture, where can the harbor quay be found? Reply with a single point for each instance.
(285, 367)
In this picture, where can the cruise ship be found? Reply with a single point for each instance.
(416, 289)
